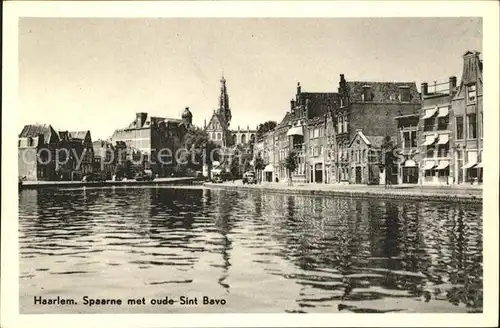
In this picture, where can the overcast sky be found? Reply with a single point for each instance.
(97, 73)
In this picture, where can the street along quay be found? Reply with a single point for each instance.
(469, 194)
(72, 184)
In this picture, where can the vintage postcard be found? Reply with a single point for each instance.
(250, 164)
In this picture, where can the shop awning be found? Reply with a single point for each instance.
(410, 163)
(429, 140)
(268, 168)
(479, 166)
(443, 165)
(470, 165)
(295, 131)
(443, 111)
(429, 113)
(443, 139)
(429, 165)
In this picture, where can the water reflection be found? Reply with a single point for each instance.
(327, 254)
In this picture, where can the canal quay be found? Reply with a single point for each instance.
(315, 254)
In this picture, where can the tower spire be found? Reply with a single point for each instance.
(224, 109)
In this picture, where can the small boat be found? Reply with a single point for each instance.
(20, 184)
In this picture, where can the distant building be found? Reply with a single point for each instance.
(467, 121)
(152, 141)
(218, 127)
(37, 146)
(435, 138)
(104, 158)
(365, 159)
(371, 107)
(77, 146)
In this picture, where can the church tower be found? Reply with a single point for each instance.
(224, 109)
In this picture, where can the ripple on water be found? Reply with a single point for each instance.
(307, 254)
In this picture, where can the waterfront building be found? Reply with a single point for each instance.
(152, 141)
(467, 122)
(365, 153)
(282, 146)
(306, 133)
(371, 107)
(218, 127)
(104, 158)
(37, 145)
(77, 146)
(435, 138)
(410, 157)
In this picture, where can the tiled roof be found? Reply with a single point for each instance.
(382, 92)
(320, 102)
(285, 120)
(374, 141)
(34, 130)
(78, 134)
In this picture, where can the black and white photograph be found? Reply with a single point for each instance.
(298, 164)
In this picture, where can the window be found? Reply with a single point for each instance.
(429, 124)
(443, 150)
(364, 154)
(340, 124)
(345, 123)
(459, 122)
(471, 126)
(471, 94)
(404, 94)
(219, 136)
(429, 152)
(443, 123)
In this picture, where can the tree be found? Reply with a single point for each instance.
(291, 165)
(235, 167)
(246, 166)
(198, 149)
(259, 166)
(388, 159)
(265, 127)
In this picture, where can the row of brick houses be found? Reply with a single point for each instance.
(338, 137)
(47, 154)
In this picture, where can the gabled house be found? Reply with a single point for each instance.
(364, 153)
(37, 146)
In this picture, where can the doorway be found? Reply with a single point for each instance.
(358, 175)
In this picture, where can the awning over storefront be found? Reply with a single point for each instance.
(429, 140)
(443, 165)
(479, 166)
(295, 131)
(443, 111)
(429, 165)
(429, 112)
(410, 163)
(443, 139)
(470, 165)
(268, 168)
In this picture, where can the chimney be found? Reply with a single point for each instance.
(299, 88)
(140, 119)
(424, 88)
(453, 83)
(472, 67)
(205, 123)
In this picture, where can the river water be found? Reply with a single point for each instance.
(259, 252)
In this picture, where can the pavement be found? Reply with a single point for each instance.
(451, 191)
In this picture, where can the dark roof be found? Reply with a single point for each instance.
(382, 92)
(285, 120)
(320, 102)
(34, 130)
(78, 134)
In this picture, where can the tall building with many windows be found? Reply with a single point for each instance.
(467, 110)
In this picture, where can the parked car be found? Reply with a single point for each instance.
(249, 177)
(144, 176)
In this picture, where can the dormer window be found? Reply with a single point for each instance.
(367, 93)
(471, 94)
(404, 93)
